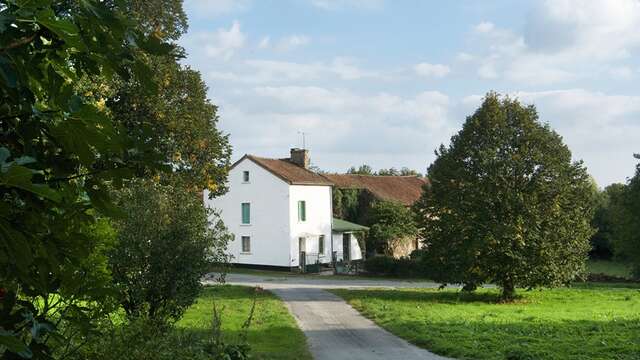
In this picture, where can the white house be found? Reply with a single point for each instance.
(280, 214)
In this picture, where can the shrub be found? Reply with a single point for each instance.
(380, 265)
(167, 241)
(391, 224)
(389, 266)
(143, 339)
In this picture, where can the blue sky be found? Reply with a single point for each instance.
(386, 82)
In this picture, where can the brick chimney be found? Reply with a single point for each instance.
(300, 157)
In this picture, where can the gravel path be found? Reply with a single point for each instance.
(335, 330)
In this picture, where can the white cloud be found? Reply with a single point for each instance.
(432, 70)
(341, 124)
(621, 73)
(562, 41)
(291, 42)
(223, 43)
(464, 57)
(487, 70)
(484, 27)
(265, 42)
(272, 71)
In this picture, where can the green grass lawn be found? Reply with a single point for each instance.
(273, 333)
(608, 267)
(281, 274)
(592, 321)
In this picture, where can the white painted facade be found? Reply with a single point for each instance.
(355, 252)
(275, 229)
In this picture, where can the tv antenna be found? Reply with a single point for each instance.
(304, 139)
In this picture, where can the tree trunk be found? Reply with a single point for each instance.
(508, 290)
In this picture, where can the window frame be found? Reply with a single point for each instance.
(242, 244)
(321, 245)
(242, 206)
(302, 211)
(246, 177)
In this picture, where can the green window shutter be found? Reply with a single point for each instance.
(302, 211)
(246, 213)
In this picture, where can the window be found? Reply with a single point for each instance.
(246, 244)
(302, 210)
(246, 213)
(321, 244)
(245, 176)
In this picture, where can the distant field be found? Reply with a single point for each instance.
(273, 334)
(609, 267)
(589, 321)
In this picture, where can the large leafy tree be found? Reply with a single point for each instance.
(506, 203)
(61, 152)
(608, 212)
(625, 219)
(179, 115)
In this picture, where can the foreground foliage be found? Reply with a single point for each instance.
(590, 322)
(167, 241)
(271, 332)
(506, 204)
(61, 153)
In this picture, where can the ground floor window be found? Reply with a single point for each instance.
(246, 244)
(321, 244)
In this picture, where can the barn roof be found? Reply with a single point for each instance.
(403, 189)
(288, 171)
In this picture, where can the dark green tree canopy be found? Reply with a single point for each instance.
(391, 224)
(505, 203)
(624, 215)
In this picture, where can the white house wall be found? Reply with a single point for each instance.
(355, 250)
(270, 208)
(318, 220)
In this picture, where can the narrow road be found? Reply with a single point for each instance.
(335, 331)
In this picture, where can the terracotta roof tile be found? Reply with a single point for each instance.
(403, 189)
(288, 171)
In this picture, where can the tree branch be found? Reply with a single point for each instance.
(20, 42)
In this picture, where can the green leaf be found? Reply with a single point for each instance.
(65, 29)
(4, 154)
(12, 342)
(20, 177)
(18, 246)
(6, 19)
(7, 73)
(32, 4)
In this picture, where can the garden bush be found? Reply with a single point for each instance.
(167, 241)
(411, 266)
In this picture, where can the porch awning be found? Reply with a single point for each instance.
(340, 225)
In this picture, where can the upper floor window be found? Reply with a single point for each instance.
(245, 176)
(302, 210)
(246, 213)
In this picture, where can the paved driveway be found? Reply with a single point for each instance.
(335, 331)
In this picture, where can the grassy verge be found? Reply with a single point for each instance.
(273, 333)
(281, 274)
(593, 321)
